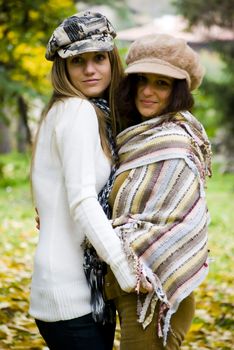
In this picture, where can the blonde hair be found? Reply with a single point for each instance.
(63, 88)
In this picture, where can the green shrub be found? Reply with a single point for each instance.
(14, 169)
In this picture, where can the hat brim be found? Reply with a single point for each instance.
(84, 46)
(144, 66)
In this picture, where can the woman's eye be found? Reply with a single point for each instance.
(76, 60)
(162, 82)
(100, 57)
(141, 79)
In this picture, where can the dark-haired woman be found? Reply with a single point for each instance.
(158, 198)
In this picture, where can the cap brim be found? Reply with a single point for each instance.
(84, 46)
(155, 68)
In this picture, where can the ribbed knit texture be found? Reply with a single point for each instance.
(69, 171)
(160, 210)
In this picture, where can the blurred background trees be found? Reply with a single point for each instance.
(24, 30)
(25, 27)
(221, 13)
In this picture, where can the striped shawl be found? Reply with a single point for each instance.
(160, 210)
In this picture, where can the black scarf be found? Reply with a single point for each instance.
(94, 268)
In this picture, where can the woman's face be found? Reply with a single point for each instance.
(153, 94)
(90, 72)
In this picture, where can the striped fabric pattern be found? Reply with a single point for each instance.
(160, 210)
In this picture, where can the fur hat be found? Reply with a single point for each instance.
(83, 32)
(166, 55)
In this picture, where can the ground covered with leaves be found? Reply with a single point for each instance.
(213, 324)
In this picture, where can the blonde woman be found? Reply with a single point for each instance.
(72, 163)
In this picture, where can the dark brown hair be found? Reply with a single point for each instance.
(127, 113)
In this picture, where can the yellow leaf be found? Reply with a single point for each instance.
(34, 15)
(196, 327)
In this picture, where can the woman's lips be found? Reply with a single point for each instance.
(147, 102)
(91, 81)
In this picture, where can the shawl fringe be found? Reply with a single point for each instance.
(181, 240)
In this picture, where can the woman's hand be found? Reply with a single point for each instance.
(37, 219)
(145, 286)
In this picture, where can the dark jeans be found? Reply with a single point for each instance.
(81, 333)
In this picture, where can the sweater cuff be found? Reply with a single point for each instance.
(124, 274)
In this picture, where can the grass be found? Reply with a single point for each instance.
(220, 197)
(213, 324)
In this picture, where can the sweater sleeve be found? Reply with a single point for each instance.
(77, 140)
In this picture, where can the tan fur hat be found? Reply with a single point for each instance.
(166, 55)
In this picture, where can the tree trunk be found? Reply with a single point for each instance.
(23, 131)
(5, 141)
(227, 150)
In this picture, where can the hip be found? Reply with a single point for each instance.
(80, 333)
(134, 337)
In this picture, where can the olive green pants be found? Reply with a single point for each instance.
(133, 336)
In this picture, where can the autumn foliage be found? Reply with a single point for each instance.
(213, 324)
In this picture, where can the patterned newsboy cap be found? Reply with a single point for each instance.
(80, 33)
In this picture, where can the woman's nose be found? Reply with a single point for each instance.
(148, 89)
(89, 68)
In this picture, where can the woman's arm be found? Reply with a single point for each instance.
(77, 140)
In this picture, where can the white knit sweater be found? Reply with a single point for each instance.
(69, 170)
